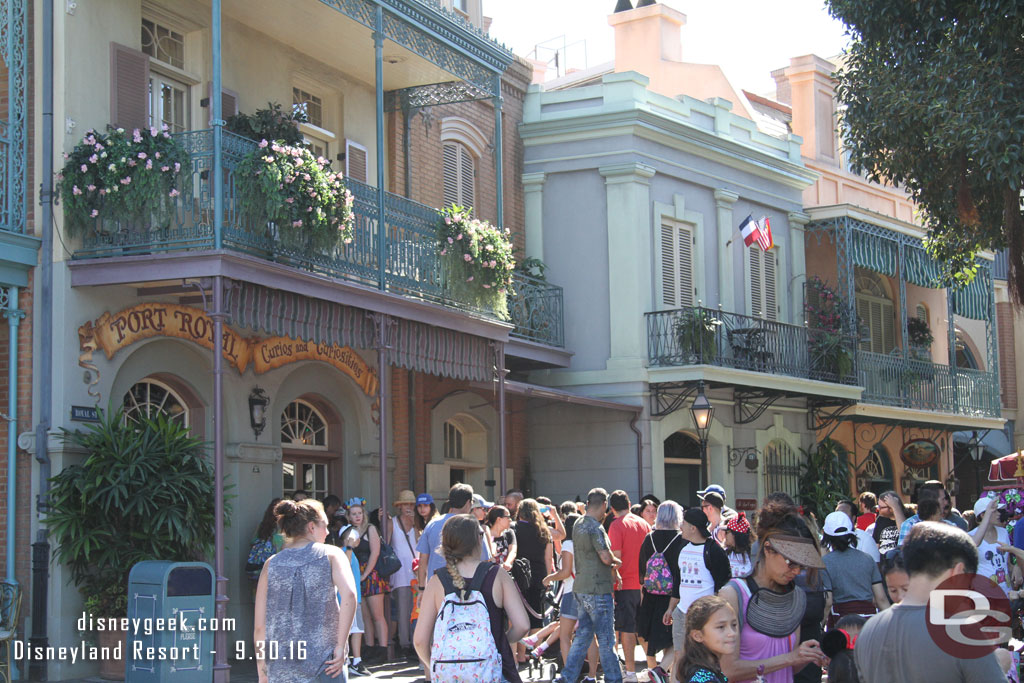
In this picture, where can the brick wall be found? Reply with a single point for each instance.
(1007, 355)
(425, 150)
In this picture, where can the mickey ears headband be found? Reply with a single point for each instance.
(361, 502)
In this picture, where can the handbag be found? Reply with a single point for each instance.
(387, 561)
(415, 556)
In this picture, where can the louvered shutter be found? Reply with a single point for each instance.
(676, 265)
(771, 304)
(129, 87)
(228, 100)
(467, 177)
(888, 314)
(451, 174)
(355, 161)
(864, 316)
(756, 283)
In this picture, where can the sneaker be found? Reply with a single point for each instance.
(358, 669)
(529, 641)
(588, 679)
(629, 677)
(657, 675)
(538, 653)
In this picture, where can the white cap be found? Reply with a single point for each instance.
(838, 524)
(982, 505)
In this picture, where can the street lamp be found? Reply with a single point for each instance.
(258, 402)
(702, 412)
(976, 448)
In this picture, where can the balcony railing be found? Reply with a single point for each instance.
(909, 383)
(695, 336)
(412, 265)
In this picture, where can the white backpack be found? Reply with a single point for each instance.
(464, 650)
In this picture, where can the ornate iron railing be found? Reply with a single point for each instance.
(910, 383)
(536, 310)
(695, 336)
(412, 265)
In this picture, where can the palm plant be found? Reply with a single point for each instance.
(824, 477)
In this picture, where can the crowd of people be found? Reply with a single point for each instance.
(485, 591)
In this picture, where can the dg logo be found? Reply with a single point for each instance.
(968, 616)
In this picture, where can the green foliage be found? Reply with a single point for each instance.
(478, 259)
(272, 123)
(824, 477)
(123, 176)
(827, 342)
(933, 98)
(144, 492)
(308, 204)
(695, 330)
(919, 333)
(532, 267)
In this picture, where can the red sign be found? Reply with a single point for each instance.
(746, 504)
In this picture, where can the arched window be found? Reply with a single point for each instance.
(922, 312)
(150, 398)
(302, 426)
(876, 312)
(876, 473)
(964, 356)
(781, 468)
(459, 175)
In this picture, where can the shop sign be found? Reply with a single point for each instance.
(746, 504)
(919, 453)
(113, 332)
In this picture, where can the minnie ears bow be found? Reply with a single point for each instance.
(738, 524)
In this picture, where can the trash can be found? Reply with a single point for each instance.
(170, 612)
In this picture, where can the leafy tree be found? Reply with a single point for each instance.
(934, 101)
(824, 477)
(145, 491)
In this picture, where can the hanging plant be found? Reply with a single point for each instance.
(479, 259)
(123, 176)
(829, 346)
(919, 333)
(306, 204)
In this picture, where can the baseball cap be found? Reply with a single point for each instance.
(424, 499)
(982, 505)
(697, 518)
(479, 502)
(837, 524)
(714, 488)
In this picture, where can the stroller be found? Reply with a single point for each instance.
(546, 666)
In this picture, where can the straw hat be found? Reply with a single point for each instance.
(405, 497)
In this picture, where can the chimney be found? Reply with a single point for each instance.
(623, 6)
(812, 92)
(540, 70)
(647, 36)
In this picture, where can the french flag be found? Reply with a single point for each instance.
(757, 231)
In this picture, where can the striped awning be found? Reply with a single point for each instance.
(415, 346)
(874, 252)
(922, 269)
(974, 301)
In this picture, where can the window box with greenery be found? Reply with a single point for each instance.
(828, 345)
(144, 491)
(126, 177)
(478, 259)
(696, 332)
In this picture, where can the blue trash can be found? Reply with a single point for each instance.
(171, 608)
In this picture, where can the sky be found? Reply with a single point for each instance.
(748, 38)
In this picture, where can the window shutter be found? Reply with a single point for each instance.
(864, 316)
(669, 290)
(129, 87)
(451, 174)
(355, 161)
(676, 265)
(888, 313)
(228, 100)
(770, 302)
(756, 283)
(467, 176)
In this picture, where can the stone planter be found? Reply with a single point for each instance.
(112, 669)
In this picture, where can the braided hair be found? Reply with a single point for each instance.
(460, 538)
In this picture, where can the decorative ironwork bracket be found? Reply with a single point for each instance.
(819, 417)
(669, 397)
(751, 405)
(420, 96)
(738, 455)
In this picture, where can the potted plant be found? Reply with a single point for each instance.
(145, 491)
(478, 259)
(272, 123)
(831, 356)
(305, 204)
(131, 177)
(696, 331)
(919, 338)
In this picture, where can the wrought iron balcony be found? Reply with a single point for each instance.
(705, 336)
(412, 265)
(910, 383)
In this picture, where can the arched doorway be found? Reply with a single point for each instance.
(307, 460)
(876, 473)
(682, 469)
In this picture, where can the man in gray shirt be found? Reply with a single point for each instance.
(895, 645)
(592, 588)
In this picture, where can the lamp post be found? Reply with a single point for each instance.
(976, 449)
(702, 412)
(258, 402)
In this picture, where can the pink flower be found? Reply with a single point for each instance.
(459, 236)
(75, 190)
(94, 213)
(149, 164)
(98, 147)
(447, 220)
(443, 252)
(469, 279)
(142, 155)
(91, 188)
(493, 264)
(296, 224)
(66, 156)
(102, 192)
(451, 241)
(84, 168)
(290, 200)
(173, 193)
(165, 169)
(487, 286)
(94, 158)
(153, 132)
(157, 155)
(263, 143)
(126, 181)
(136, 136)
(467, 257)
(131, 162)
(177, 167)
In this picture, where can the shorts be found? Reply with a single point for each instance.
(626, 604)
(678, 629)
(357, 622)
(568, 607)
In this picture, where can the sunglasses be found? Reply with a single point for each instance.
(789, 563)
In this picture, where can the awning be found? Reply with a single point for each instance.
(874, 252)
(922, 269)
(974, 301)
(415, 346)
(537, 391)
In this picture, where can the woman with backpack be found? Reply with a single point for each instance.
(534, 544)
(267, 541)
(374, 586)
(461, 629)
(659, 564)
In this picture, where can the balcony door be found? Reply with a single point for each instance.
(682, 469)
(876, 312)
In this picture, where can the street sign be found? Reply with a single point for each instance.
(84, 414)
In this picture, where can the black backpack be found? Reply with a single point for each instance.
(522, 574)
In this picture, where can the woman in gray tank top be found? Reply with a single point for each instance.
(305, 601)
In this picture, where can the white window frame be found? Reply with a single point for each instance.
(300, 446)
(170, 392)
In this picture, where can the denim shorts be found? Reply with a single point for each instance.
(568, 608)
